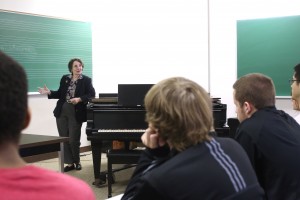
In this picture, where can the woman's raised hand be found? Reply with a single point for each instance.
(44, 90)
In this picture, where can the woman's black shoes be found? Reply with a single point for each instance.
(69, 168)
(78, 166)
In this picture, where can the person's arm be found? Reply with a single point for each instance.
(50, 94)
(57, 94)
(44, 90)
(89, 91)
(138, 187)
(156, 152)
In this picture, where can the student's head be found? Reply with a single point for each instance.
(297, 72)
(252, 92)
(181, 110)
(14, 114)
(74, 62)
(295, 87)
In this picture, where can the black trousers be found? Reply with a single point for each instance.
(68, 126)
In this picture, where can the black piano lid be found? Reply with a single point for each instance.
(132, 95)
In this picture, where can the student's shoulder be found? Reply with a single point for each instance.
(227, 142)
(252, 127)
(63, 180)
(232, 148)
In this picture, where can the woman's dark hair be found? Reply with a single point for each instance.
(70, 65)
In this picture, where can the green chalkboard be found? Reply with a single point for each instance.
(44, 46)
(270, 46)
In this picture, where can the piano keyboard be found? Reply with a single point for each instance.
(121, 130)
(118, 134)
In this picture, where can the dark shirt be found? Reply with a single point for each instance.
(271, 139)
(84, 90)
(214, 170)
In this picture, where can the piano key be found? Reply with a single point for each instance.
(121, 130)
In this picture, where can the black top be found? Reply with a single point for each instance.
(84, 90)
(271, 139)
(212, 170)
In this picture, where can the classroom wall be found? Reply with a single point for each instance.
(145, 41)
(43, 121)
(133, 42)
(223, 57)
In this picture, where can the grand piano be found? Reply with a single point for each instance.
(108, 123)
(110, 118)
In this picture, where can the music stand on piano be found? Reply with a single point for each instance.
(132, 95)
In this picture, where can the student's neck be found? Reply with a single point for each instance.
(9, 156)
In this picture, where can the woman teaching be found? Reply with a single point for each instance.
(73, 94)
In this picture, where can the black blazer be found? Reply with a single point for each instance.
(84, 90)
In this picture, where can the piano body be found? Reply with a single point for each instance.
(108, 122)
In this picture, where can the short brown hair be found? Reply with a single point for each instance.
(70, 64)
(181, 110)
(255, 88)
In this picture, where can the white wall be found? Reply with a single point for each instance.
(144, 41)
(134, 41)
(223, 16)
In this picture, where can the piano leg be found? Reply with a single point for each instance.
(100, 179)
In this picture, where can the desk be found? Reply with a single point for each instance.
(31, 145)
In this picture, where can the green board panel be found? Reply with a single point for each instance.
(270, 46)
(45, 45)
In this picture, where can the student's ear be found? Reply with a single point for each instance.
(248, 107)
(27, 119)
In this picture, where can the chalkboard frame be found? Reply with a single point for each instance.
(270, 46)
(44, 45)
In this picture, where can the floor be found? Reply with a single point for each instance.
(87, 174)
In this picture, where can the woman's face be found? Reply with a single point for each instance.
(76, 68)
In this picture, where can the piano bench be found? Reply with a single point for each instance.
(120, 156)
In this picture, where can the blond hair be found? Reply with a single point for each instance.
(181, 110)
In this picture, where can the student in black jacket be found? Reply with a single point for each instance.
(73, 94)
(182, 160)
(270, 137)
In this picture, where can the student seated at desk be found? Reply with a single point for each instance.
(19, 180)
(270, 137)
(182, 160)
(295, 88)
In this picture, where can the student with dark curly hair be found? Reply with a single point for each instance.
(20, 180)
